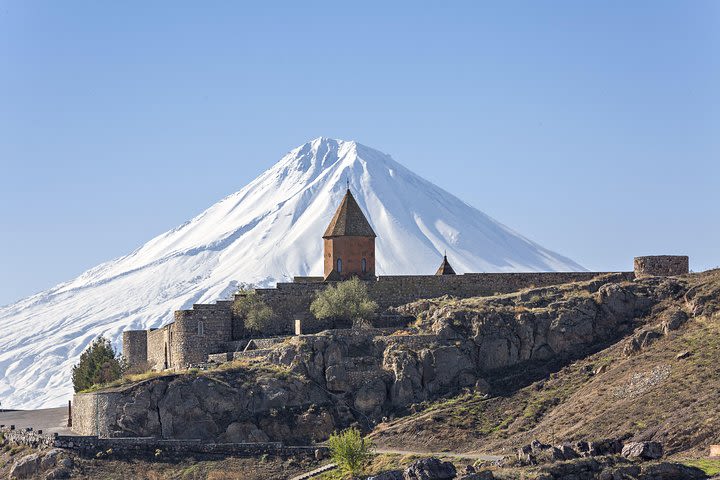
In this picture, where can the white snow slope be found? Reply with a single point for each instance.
(269, 231)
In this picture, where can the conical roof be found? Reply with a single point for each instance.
(349, 220)
(445, 268)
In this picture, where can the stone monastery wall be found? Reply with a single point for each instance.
(212, 328)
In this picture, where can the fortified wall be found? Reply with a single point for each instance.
(212, 328)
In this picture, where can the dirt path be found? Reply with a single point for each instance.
(469, 455)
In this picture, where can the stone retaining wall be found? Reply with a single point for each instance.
(90, 412)
(29, 437)
(91, 444)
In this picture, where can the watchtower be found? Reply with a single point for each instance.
(349, 243)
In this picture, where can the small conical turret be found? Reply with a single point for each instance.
(445, 268)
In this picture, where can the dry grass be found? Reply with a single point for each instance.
(128, 379)
(669, 399)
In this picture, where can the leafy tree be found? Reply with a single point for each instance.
(349, 301)
(257, 316)
(350, 451)
(98, 365)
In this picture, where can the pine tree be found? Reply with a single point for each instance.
(98, 365)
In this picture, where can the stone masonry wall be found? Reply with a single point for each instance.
(134, 344)
(157, 340)
(661, 265)
(203, 330)
(393, 291)
(91, 411)
(290, 301)
(92, 444)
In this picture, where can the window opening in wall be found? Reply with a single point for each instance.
(339, 265)
(201, 328)
(363, 263)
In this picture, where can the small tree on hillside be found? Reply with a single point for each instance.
(257, 316)
(350, 451)
(98, 365)
(349, 301)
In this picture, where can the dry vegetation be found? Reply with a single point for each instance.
(185, 468)
(652, 394)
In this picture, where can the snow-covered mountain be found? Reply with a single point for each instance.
(268, 231)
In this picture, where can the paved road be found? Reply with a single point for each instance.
(49, 420)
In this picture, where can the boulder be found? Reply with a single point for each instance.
(674, 320)
(49, 460)
(57, 473)
(26, 467)
(431, 468)
(642, 450)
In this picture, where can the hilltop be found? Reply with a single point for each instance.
(657, 381)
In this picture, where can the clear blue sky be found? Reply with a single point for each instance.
(590, 127)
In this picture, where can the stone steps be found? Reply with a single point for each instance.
(316, 472)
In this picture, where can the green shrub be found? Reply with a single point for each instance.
(349, 301)
(257, 316)
(98, 365)
(350, 451)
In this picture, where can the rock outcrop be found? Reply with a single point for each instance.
(430, 469)
(314, 384)
(239, 405)
(642, 451)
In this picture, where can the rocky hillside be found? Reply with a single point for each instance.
(657, 381)
(588, 360)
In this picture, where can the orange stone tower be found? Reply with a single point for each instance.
(349, 243)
